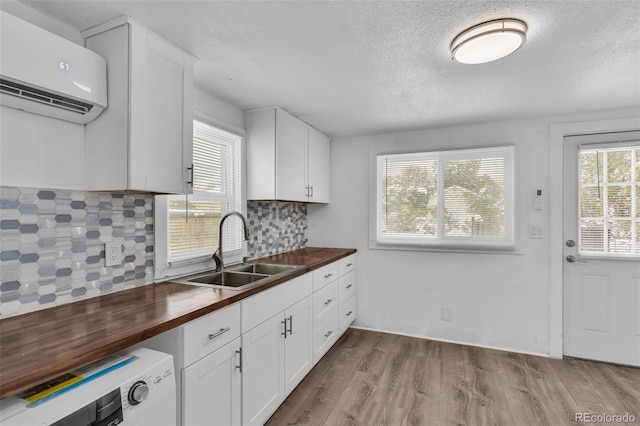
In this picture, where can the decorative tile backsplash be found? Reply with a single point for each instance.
(276, 227)
(52, 242)
(52, 245)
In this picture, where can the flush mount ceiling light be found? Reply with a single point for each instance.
(489, 41)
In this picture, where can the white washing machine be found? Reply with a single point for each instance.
(133, 387)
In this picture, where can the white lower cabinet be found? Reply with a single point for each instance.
(212, 388)
(239, 363)
(263, 373)
(334, 303)
(206, 356)
(346, 314)
(277, 353)
(298, 344)
(325, 334)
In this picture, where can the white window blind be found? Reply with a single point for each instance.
(609, 200)
(193, 220)
(455, 198)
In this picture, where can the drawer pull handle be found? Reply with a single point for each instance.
(239, 366)
(328, 275)
(329, 333)
(349, 313)
(219, 333)
(350, 285)
(328, 301)
(349, 264)
(192, 171)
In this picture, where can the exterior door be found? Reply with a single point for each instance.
(602, 247)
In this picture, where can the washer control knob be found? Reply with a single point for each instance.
(138, 392)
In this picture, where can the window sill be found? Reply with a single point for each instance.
(190, 268)
(509, 250)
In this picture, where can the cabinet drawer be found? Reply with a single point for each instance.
(347, 313)
(262, 306)
(325, 334)
(346, 286)
(204, 335)
(325, 275)
(346, 264)
(323, 301)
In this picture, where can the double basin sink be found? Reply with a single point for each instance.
(237, 277)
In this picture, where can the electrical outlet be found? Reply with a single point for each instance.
(112, 254)
(445, 313)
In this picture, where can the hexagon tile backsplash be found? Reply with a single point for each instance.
(52, 245)
(275, 227)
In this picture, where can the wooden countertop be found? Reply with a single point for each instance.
(41, 345)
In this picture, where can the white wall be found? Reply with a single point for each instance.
(497, 300)
(218, 110)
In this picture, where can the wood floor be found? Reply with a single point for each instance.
(371, 378)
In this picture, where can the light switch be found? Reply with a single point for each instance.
(535, 231)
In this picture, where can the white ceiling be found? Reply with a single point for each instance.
(364, 67)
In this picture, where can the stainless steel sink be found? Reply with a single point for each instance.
(238, 277)
(228, 279)
(263, 268)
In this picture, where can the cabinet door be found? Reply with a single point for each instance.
(318, 166)
(211, 388)
(298, 346)
(263, 370)
(291, 136)
(157, 114)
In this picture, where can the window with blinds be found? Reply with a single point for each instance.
(451, 198)
(609, 200)
(193, 220)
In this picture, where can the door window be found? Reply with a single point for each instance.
(609, 200)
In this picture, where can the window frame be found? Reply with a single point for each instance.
(512, 243)
(162, 267)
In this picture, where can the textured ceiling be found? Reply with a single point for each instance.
(364, 67)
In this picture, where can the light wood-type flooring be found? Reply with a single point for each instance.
(371, 378)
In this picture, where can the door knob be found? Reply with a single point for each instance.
(571, 243)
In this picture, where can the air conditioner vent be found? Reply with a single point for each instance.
(15, 89)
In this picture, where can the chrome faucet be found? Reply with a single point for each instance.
(217, 256)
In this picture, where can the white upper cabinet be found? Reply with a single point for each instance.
(318, 156)
(143, 140)
(287, 159)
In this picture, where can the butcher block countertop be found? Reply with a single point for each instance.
(41, 345)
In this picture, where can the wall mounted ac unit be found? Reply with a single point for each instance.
(43, 73)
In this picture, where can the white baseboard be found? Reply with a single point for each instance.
(497, 348)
